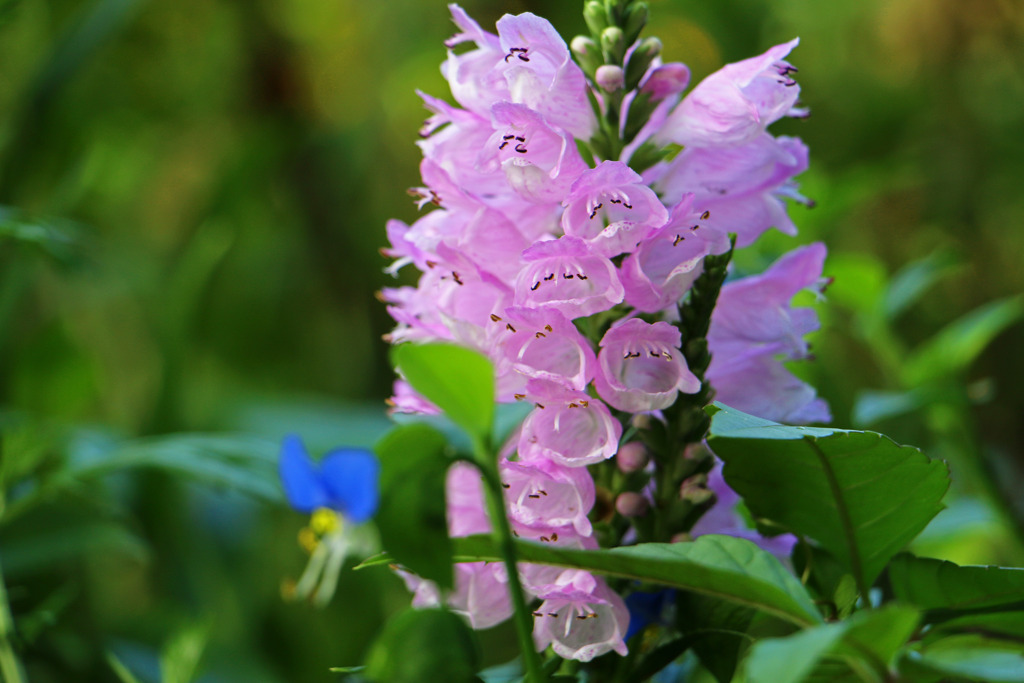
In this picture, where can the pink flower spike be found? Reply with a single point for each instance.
(736, 103)
(565, 275)
(611, 208)
(640, 367)
(541, 74)
(581, 618)
(572, 429)
(541, 343)
(543, 495)
(474, 77)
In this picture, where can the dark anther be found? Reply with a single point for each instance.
(628, 206)
(585, 404)
(533, 495)
(535, 286)
(666, 355)
(519, 397)
(566, 276)
(706, 215)
(521, 54)
(509, 137)
(520, 138)
(495, 318)
(677, 240)
(544, 539)
(550, 277)
(508, 326)
(431, 264)
(505, 486)
(593, 214)
(654, 354)
(539, 406)
(581, 276)
(542, 492)
(548, 328)
(554, 537)
(502, 145)
(538, 614)
(616, 201)
(521, 148)
(539, 335)
(455, 276)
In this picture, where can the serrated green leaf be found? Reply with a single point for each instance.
(940, 585)
(860, 495)
(411, 516)
(457, 380)
(957, 345)
(424, 645)
(971, 656)
(726, 567)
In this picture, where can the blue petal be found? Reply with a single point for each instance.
(647, 608)
(350, 476)
(303, 484)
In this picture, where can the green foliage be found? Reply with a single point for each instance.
(457, 380)
(944, 586)
(791, 659)
(411, 516)
(973, 657)
(424, 645)
(859, 494)
(725, 567)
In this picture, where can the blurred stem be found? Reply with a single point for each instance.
(487, 463)
(9, 665)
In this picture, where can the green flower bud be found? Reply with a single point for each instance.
(595, 16)
(634, 21)
(640, 60)
(587, 53)
(613, 45)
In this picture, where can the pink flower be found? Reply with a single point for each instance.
(640, 367)
(580, 618)
(611, 208)
(474, 76)
(571, 429)
(540, 162)
(565, 275)
(736, 103)
(545, 496)
(542, 344)
(541, 74)
(665, 265)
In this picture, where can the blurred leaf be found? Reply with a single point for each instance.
(791, 659)
(940, 585)
(726, 567)
(875, 406)
(879, 632)
(915, 279)
(860, 495)
(424, 645)
(179, 659)
(957, 345)
(55, 238)
(970, 656)
(411, 517)
(49, 547)
(858, 281)
(455, 379)
(120, 670)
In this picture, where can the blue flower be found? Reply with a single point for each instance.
(345, 480)
(648, 608)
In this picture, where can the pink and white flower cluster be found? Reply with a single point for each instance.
(525, 239)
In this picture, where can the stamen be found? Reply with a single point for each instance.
(495, 318)
(706, 215)
(508, 326)
(535, 286)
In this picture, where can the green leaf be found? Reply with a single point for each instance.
(791, 659)
(718, 631)
(940, 585)
(880, 633)
(970, 656)
(411, 516)
(122, 672)
(424, 645)
(860, 495)
(915, 279)
(729, 568)
(457, 380)
(957, 345)
(179, 658)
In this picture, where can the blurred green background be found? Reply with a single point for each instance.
(192, 198)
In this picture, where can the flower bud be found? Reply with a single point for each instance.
(635, 20)
(587, 54)
(632, 456)
(632, 504)
(595, 16)
(613, 45)
(640, 60)
(609, 77)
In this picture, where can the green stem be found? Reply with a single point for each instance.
(502, 531)
(10, 668)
